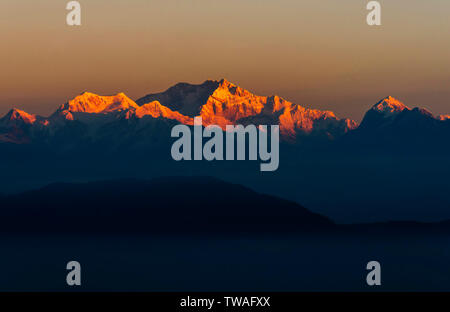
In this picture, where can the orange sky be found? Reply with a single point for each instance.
(319, 54)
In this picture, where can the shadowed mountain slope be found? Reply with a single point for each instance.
(160, 205)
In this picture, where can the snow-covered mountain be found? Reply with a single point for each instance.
(329, 164)
(217, 102)
(223, 103)
(390, 125)
(120, 120)
(393, 114)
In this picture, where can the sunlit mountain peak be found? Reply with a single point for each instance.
(20, 115)
(390, 105)
(92, 103)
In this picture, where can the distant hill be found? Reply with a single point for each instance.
(167, 205)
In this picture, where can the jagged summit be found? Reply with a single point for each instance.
(221, 102)
(391, 115)
(185, 98)
(19, 115)
(225, 83)
(390, 105)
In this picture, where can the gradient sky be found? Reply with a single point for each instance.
(319, 54)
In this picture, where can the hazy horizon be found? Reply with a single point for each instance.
(317, 54)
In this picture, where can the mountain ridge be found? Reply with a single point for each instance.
(218, 102)
(323, 164)
(148, 206)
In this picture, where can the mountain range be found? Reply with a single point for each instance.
(202, 205)
(391, 166)
(217, 102)
(222, 103)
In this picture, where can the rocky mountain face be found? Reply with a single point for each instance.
(223, 103)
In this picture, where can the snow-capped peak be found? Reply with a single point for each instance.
(20, 115)
(93, 103)
(390, 106)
